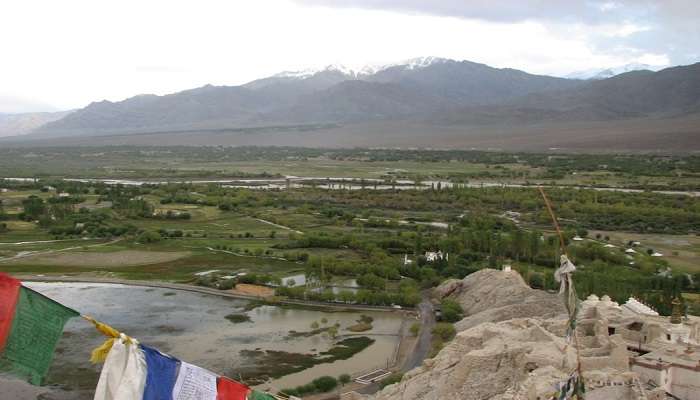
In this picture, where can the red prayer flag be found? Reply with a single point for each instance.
(9, 293)
(227, 389)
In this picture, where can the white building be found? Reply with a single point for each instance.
(432, 256)
(677, 371)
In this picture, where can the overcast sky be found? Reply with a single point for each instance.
(66, 54)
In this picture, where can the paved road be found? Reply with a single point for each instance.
(420, 351)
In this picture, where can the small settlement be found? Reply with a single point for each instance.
(663, 352)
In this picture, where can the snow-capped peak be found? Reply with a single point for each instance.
(410, 64)
(422, 62)
(340, 68)
(296, 74)
(307, 73)
(604, 73)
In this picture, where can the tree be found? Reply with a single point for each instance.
(346, 296)
(34, 208)
(3, 216)
(148, 237)
(371, 281)
(344, 379)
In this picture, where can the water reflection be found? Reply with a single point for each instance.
(193, 327)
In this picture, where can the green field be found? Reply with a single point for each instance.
(174, 232)
(178, 163)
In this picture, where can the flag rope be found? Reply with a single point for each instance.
(99, 354)
(574, 387)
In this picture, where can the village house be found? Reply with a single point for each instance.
(432, 256)
(664, 352)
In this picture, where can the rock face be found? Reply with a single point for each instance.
(492, 296)
(485, 361)
(512, 345)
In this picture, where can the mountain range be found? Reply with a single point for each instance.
(432, 95)
(23, 123)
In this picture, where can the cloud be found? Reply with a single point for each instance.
(500, 11)
(664, 27)
(16, 104)
(88, 50)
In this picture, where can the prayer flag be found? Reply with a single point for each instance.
(9, 292)
(37, 326)
(194, 383)
(123, 375)
(161, 374)
(230, 390)
(255, 395)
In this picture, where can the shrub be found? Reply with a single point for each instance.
(325, 383)
(415, 328)
(451, 310)
(148, 237)
(228, 284)
(444, 331)
(238, 318)
(391, 379)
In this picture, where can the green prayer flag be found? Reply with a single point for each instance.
(36, 328)
(255, 395)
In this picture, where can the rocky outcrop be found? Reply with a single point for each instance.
(492, 296)
(511, 345)
(485, 361)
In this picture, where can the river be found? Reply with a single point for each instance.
(336, 183)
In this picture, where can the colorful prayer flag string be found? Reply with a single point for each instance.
(31, 325)
(135, 371)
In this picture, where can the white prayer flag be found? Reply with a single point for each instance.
(194, 383)
(123, 375)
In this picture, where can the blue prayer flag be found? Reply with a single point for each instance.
(162, 373)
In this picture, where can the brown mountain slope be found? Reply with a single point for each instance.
(679, 134)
